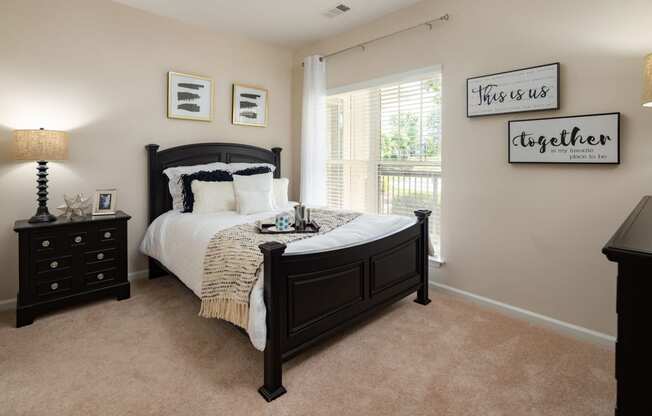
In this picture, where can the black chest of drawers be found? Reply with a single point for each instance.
(69, 261)
(631, 248)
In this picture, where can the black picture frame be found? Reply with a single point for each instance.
(509, 137)
(557, 104)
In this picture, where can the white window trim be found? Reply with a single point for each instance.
(435, 262)
(398, 77)
(413, 75)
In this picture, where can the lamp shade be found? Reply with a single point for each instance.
(647, 88)
(40, 145)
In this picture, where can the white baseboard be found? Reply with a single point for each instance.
(7, 304)
(573, 330)
(137, 275)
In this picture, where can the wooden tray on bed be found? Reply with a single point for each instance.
(310, 228)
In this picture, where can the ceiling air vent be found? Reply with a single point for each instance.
(337, 10)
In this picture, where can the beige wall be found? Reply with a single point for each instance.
(527, 235)
(98, 70)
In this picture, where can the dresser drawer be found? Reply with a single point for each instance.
(54, 265)
(77, 239)
(107, 235)
(56, 287)
(103, 255)
(44, 244)
(100, 265)
(99, 278)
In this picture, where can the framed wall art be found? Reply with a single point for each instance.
(190, 97)
(528, 89)
(250, 105)
(588, 139)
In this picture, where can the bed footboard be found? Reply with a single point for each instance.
(310, 297)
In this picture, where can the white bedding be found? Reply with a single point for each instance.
(179, 242)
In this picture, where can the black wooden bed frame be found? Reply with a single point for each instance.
(308, 297)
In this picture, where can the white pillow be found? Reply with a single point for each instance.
(176, 188)
(262, 184)
(280, 193)
(212, 196)
(252, 202)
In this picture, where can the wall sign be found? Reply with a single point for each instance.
(527, 89)
(592, 138)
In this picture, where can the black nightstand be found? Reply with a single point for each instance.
(69, 261)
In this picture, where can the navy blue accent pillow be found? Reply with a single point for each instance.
(212, 176)
(258, 170)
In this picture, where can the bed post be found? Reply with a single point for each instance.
(422, 294)
(155, 269)
(274, 303)
(277, 161)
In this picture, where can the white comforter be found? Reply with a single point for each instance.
(179, 242)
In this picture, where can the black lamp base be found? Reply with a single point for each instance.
(42, 213)
(42, 217)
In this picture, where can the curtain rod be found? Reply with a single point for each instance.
(363, 45)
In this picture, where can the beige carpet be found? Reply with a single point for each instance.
(152, 355)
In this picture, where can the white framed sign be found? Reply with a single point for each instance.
(591, 138)
(528, 89)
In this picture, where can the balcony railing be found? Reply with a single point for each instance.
(404, 188)
(396, 187)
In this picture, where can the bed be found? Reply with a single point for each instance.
(309, 290)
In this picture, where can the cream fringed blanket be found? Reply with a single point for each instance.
(232, 262)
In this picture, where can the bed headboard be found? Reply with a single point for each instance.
(160, 200)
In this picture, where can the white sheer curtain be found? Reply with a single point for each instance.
(313, 133)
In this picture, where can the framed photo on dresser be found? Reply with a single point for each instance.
(104, 202)
(250, 105)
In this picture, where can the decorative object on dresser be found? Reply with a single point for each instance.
(41, 145)
(67, 261)
(190, 97)
(249, 105)
(75, 206)
(309, 297)
(105, 201)
(585, 139)
(528, 89)
(647, 79)
(631, 248)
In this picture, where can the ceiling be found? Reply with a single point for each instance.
(289, 23)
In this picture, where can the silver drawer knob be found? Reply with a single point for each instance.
(100, 276)
(54, 286)
(54, 264)
(100, 256)
(78, 239)
(107, 234)
(45, 243)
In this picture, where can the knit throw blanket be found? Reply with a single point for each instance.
(233, 259)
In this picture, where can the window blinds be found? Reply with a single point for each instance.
(385, 149)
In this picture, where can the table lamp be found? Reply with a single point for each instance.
(41, 146)
(647, 87)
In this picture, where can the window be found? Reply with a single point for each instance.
(385, 149)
